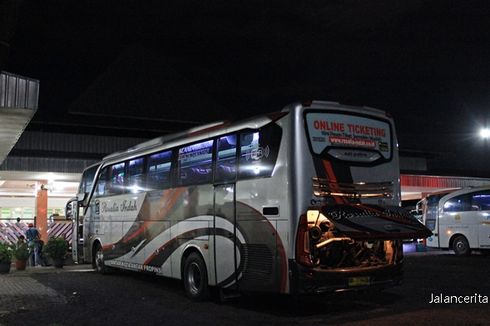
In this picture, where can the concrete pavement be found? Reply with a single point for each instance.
(19, 291)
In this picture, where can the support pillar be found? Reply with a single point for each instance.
(42, 211)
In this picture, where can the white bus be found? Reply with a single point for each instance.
(459, 220)
(305, 200)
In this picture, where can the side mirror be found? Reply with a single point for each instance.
(69, 208)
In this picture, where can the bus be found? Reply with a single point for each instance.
(459, 220)
(303, 200)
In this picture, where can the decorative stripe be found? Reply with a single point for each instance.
(331, 177)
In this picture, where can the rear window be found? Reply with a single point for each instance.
(349, 137)
(258, 151)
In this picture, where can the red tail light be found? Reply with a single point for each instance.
(303, 255)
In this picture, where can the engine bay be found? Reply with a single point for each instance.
(330, 248)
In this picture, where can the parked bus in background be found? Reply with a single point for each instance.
(305, 200)
(459, 220)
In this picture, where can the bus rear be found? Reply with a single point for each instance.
(345, 181)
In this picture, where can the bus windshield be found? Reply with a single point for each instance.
(349, 137)
(87, 179)
(431, 211)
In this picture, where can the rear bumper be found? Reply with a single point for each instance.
(306, 280)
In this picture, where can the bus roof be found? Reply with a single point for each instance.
(223, 127)
(323, 104)
(195, 134)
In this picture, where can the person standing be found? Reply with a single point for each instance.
(32, 235)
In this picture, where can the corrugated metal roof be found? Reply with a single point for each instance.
(18, 103)
(18, 92)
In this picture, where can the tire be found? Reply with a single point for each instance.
(461, 246)
(98, 260)
(195, 278)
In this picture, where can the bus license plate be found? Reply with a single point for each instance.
(359, 281)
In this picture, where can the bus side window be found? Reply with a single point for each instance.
(101, 182)
(135, 179)
(116, 185)
(195, 163)
(158, 172)
(226, 159)
(258, 151)
(458, 204)
(481, 200)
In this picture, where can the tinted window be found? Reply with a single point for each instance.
(159, 170)
(349, 137)
(432, 206)
(136, 177)
(458, 204)
(102, 182)
(87, 179)
(226, 158)
(117, 178)
(195, 163)
(481, 201)
(258, 151)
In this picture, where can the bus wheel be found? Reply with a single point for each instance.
(195, 278)
(98, 262)
(461, 246)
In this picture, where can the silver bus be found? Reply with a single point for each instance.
(305, 200)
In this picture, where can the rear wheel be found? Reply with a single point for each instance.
(461, 246)
(195, 278)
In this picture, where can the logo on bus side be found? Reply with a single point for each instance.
(258, 153)
(124, 206)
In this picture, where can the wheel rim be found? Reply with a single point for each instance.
(461, 246)
(194, 278)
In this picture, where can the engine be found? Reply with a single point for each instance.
(329, 249)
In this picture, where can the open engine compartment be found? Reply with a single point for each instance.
(330, 249)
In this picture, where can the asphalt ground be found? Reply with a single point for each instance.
(76, 295)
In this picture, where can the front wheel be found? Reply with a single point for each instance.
(461, 246)
(98, 260)
(195, 278)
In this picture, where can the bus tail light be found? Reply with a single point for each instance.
(303, 254)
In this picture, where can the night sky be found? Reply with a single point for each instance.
(145, 68)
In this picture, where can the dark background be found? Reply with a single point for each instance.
(146, 68)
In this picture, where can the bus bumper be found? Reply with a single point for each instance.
(305, 280)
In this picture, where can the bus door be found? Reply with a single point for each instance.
(74, 212)
(226, 253)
